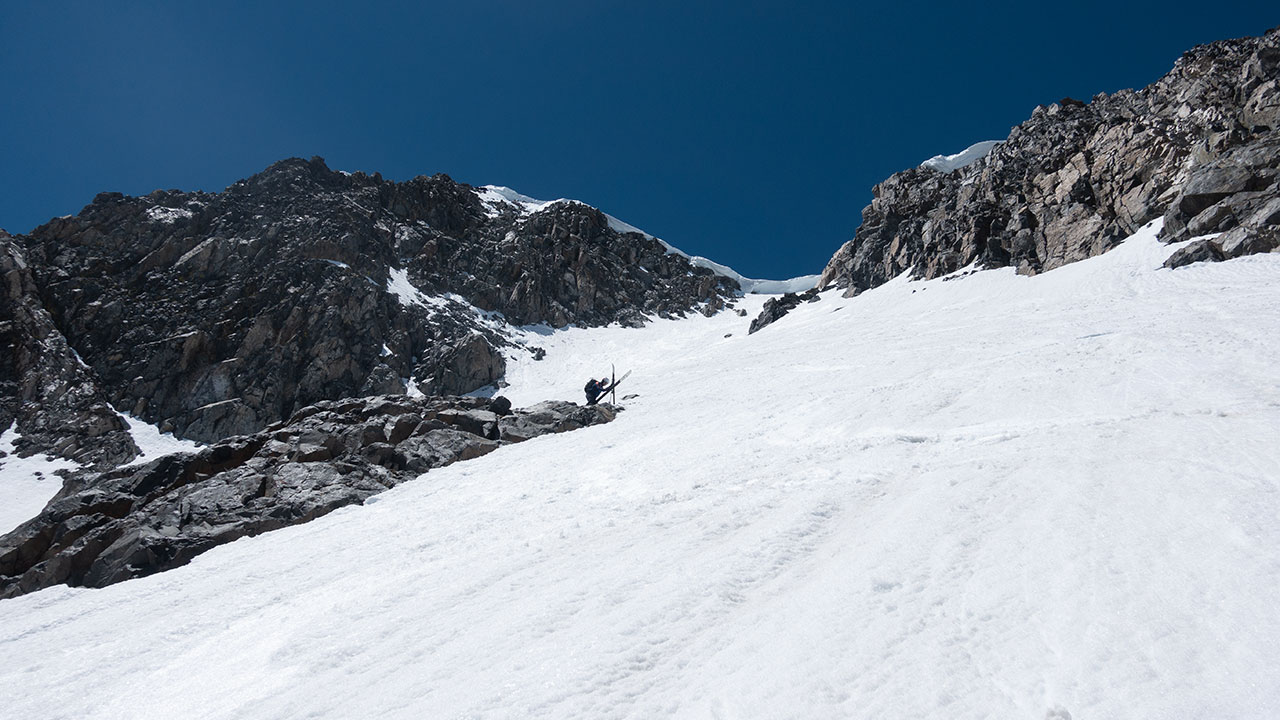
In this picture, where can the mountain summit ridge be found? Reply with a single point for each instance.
(1200, 147)
(215, 314)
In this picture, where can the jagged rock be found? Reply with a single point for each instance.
(1076, 178)
(470, 363)
(500, 405)
(1234, 243)
(1239, 187)
(214, 314)
(1241, 241)
(54, 398)
(382, 380)
(135, 521)
(1198, 251)
(552, 416)
(775, 308)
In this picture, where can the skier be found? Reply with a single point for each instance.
(596, 389)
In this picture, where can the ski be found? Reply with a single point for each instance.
(614, 383)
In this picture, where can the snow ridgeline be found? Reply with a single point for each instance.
(495, 195)
(964, 158)
(989, 496)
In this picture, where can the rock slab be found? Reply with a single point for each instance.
(135, 521)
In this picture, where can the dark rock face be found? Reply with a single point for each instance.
(1197, 147)
(54, 398)
(565, 264)
(775, 308)
(215, 314)
(135, 521)
(1198, 251)
(1236, 194)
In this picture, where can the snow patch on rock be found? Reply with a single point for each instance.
(748, 285)
(26, 484)
(964, 158)
(152, 443)
(167, 215)
(496, 196)
(398, 284)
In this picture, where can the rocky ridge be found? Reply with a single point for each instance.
(44, 387)
(317, 327)
(1197, 148)
(215, 314)
(138, 520)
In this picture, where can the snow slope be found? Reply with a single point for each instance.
(152, 443)
(989, 497)
(26, 484)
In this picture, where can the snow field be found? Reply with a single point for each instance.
(988, 497)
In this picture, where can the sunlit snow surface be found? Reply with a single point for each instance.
(964, 158)
(152, 443)
(26, 484)
(991, 497)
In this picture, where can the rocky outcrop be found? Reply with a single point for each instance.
(1197, 147)
(1235, 198)
(775, 308)
(135, 521)
(216, 314)
(566, 264)
(53, 398)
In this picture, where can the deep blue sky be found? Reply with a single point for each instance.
(747, 132)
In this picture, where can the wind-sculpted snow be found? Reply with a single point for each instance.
(993, 496)
(962, 159)
(746, 284)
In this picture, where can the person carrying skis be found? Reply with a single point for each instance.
(596, 389)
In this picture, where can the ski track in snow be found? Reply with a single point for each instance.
(990, 497)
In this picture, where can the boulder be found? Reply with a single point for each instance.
(1199, 251)
(552, 416)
